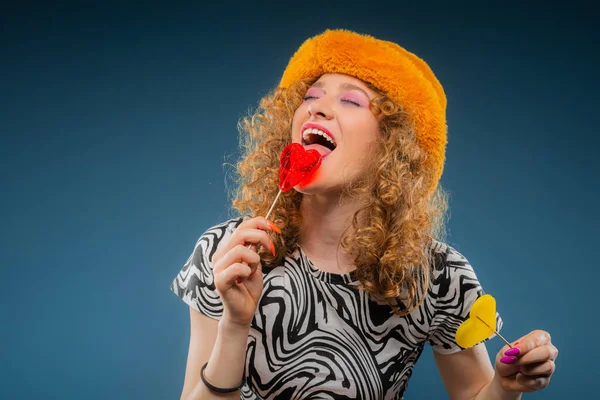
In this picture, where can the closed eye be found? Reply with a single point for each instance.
(309, 98)
(351, 102)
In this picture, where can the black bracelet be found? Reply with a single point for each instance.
(217, 389)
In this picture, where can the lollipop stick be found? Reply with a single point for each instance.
(270, 209)
(273, 205)
(495, 331)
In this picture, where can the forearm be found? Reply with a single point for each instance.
(226, 363)
(494, 391)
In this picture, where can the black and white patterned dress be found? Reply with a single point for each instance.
(314, 336)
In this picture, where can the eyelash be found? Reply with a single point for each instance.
(352, 102)
(355, 103)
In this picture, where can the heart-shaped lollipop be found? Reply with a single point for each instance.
(296, 165)
(481, 323)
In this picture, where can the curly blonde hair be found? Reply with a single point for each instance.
(390, 236)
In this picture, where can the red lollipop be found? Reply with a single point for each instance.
(297, 164)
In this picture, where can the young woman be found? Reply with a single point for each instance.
(336, 295)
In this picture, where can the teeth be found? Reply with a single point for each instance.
(315, 131)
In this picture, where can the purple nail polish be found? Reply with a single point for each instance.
(508, 360)
(519, 368)
(512, 352)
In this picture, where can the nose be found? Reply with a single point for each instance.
(321, 107)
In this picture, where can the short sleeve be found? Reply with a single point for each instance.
(454, 288)
(194, 284)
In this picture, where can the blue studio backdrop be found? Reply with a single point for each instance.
(117, 122)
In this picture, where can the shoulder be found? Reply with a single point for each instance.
(218, 232)
(209, 240)
(224, 228)
(453, 289)
(195, 282)
(445, 256)
(450, 271)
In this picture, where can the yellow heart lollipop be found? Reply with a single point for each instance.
(481, 323)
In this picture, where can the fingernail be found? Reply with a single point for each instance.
(274, 227)
(273, 249)
(250, 276)
(508, 360)
(238, 281)
(518, 368)
(512, 352)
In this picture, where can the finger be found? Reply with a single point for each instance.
(253, 236)
(255, 270)
(543, 368)
(259, 223)
(511, 385)
(229, 277)
(256, 275)
(254, 280)
(511, 350)
(506, 360)
(533, 382)
(533, 340)
(539, 355)
(506, 365)
(238, 254)
(242, 238)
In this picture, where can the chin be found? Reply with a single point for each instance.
(311, 188)
(311, 183)
(317, 188)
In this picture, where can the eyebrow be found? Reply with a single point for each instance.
(346, 86)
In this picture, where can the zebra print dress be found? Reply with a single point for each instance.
(314, 336)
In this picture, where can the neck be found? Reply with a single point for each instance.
(324, 222)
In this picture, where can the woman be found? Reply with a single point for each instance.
(337, 296)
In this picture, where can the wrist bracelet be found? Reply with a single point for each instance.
(215, 389)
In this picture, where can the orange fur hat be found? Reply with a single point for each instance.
(401, 75)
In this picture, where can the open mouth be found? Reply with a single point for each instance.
(313, 136)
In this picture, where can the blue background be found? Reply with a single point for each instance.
(116, 122)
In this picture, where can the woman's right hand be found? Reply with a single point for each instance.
(238, 272)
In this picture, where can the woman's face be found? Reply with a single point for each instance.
(335, 119)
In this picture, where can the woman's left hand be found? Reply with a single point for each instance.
(529, 365)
